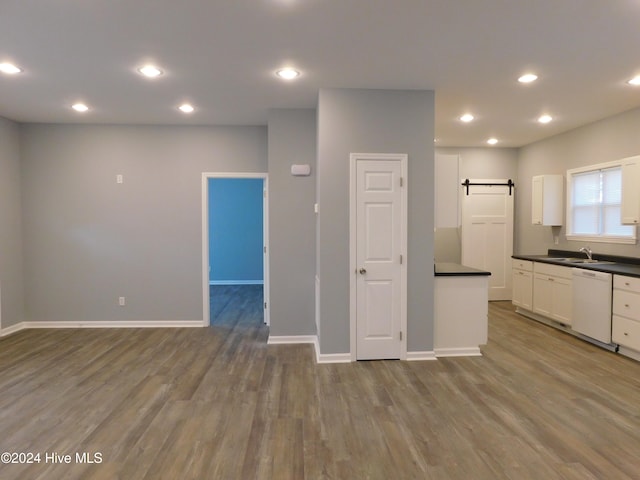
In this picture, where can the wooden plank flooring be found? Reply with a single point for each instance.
(218, 403)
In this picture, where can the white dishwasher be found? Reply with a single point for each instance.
(592, 293)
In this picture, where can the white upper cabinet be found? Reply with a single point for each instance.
(630, 207)
(447, 191)
(547, 199)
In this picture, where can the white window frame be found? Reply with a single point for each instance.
(569, 215)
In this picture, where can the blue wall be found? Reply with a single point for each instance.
(235, 229)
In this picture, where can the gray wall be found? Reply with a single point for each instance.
(88, 240)
(236, 238)
(11, 284)
(487, 162)
(603, 141)
(373, 121)
(292, 139)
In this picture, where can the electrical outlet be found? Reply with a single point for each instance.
(119, 178)
(556, 240)
(121, 301)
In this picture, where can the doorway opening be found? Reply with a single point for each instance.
(235, 275)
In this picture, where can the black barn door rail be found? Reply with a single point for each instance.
(468, 184)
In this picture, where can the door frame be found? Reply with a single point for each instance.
(206, 310)
(353, 310)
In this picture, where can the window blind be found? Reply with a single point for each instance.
(596, 200)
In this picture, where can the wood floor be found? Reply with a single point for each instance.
(218, 403)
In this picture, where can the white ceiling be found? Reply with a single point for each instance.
(221, 56)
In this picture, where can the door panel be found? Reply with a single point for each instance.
(542, 295)
(487, 234)
(378, 236)
(379, 309)
(562, 300)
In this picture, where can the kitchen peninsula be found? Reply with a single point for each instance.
(461, 309)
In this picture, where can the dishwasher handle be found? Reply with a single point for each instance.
(582, 272)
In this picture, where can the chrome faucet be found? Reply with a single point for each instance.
(587, 251)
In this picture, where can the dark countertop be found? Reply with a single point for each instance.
(629, 266)
(444, 269)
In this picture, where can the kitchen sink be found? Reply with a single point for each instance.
(586, 260)
(581, 260)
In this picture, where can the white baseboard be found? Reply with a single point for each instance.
(320, 358)
(290, 339)
(458, 352)
(105, 324)
(12, 329)
(236, 282)
(414, 356)
(333, 358)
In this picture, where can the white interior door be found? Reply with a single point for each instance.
(487, 234)
(378, 270)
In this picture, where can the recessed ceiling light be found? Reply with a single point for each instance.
(634, 81)
(186, 108)
(150, 71)
(80, 107)
(528, 78)
(492, 141)
(466, 118)
(9, 68)
(287, 73)
(545, 119)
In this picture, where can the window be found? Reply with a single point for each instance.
(594, 197)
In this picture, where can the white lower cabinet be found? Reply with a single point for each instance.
(552, 292)
(626, 332)
(625, 324)
(522, 284)
(546, 290)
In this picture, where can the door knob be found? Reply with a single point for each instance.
(363, 271)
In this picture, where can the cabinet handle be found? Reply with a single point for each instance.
(551, 279)
(626, 305)
(627, 283)
(626, 334)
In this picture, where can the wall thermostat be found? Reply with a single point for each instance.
(301, 170)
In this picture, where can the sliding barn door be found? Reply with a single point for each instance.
(487, 234)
